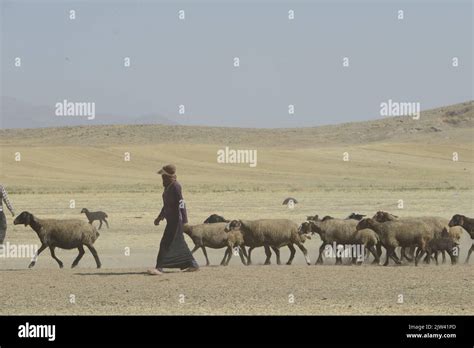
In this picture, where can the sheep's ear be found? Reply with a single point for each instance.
(28, 218)
(32, 219)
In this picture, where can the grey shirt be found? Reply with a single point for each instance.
(4, 198)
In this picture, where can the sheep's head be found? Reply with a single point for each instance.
(24, 218)
(355, 216)
(456, 220)
(383, 216)
(364, 223)
(305, 228)
(314, 227)
(84, 210)
(233, 225)
(313, 218)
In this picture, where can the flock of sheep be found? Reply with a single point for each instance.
(416, 236)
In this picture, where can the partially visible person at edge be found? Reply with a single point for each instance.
(174, 252)
(3, 219)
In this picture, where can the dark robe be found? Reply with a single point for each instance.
(174, 252)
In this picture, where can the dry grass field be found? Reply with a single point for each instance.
(389, 159)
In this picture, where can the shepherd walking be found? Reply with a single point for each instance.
(3, 219)
(174, 252)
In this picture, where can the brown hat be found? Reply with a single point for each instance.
(169, 169)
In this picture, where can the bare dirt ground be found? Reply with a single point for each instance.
(121, 287)
(296, 289)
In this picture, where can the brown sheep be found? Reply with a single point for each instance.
(214, 236)
(437, 225)
(468, 225)
(400, 233)
(270, 233)
(64, 234)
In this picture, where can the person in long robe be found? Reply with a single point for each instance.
(174, 252)
(3, 219)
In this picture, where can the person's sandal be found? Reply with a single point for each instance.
(154, 271)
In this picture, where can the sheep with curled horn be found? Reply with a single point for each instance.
(466, 223)
(64, 234)
(270, 233)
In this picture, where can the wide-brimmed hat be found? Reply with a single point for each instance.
(169, 169)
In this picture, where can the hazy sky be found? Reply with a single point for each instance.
(282, 61)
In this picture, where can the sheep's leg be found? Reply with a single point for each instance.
(469, 253)
(53, 254)
(226, 258)
(452, 257)
(79, 257)
(379, 250)
(96, 256)
(436, 258)
(374, 252)
(230, 255)
(402, 254)
(389, 252)
(320, 257)
(40, 250)
(305, 252)
(420, 253)
(412, 253)
(277, 253)
(106, 223)
(444, 256)
(196, 247)
(338, 258)
(268, 253)
(227, 254)
(394, 257)
(100, 224)
(292, 253)
(250, 256)
(205, 254)
(243, 255)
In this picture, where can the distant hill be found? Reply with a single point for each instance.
(437, 125)
(15, 113)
